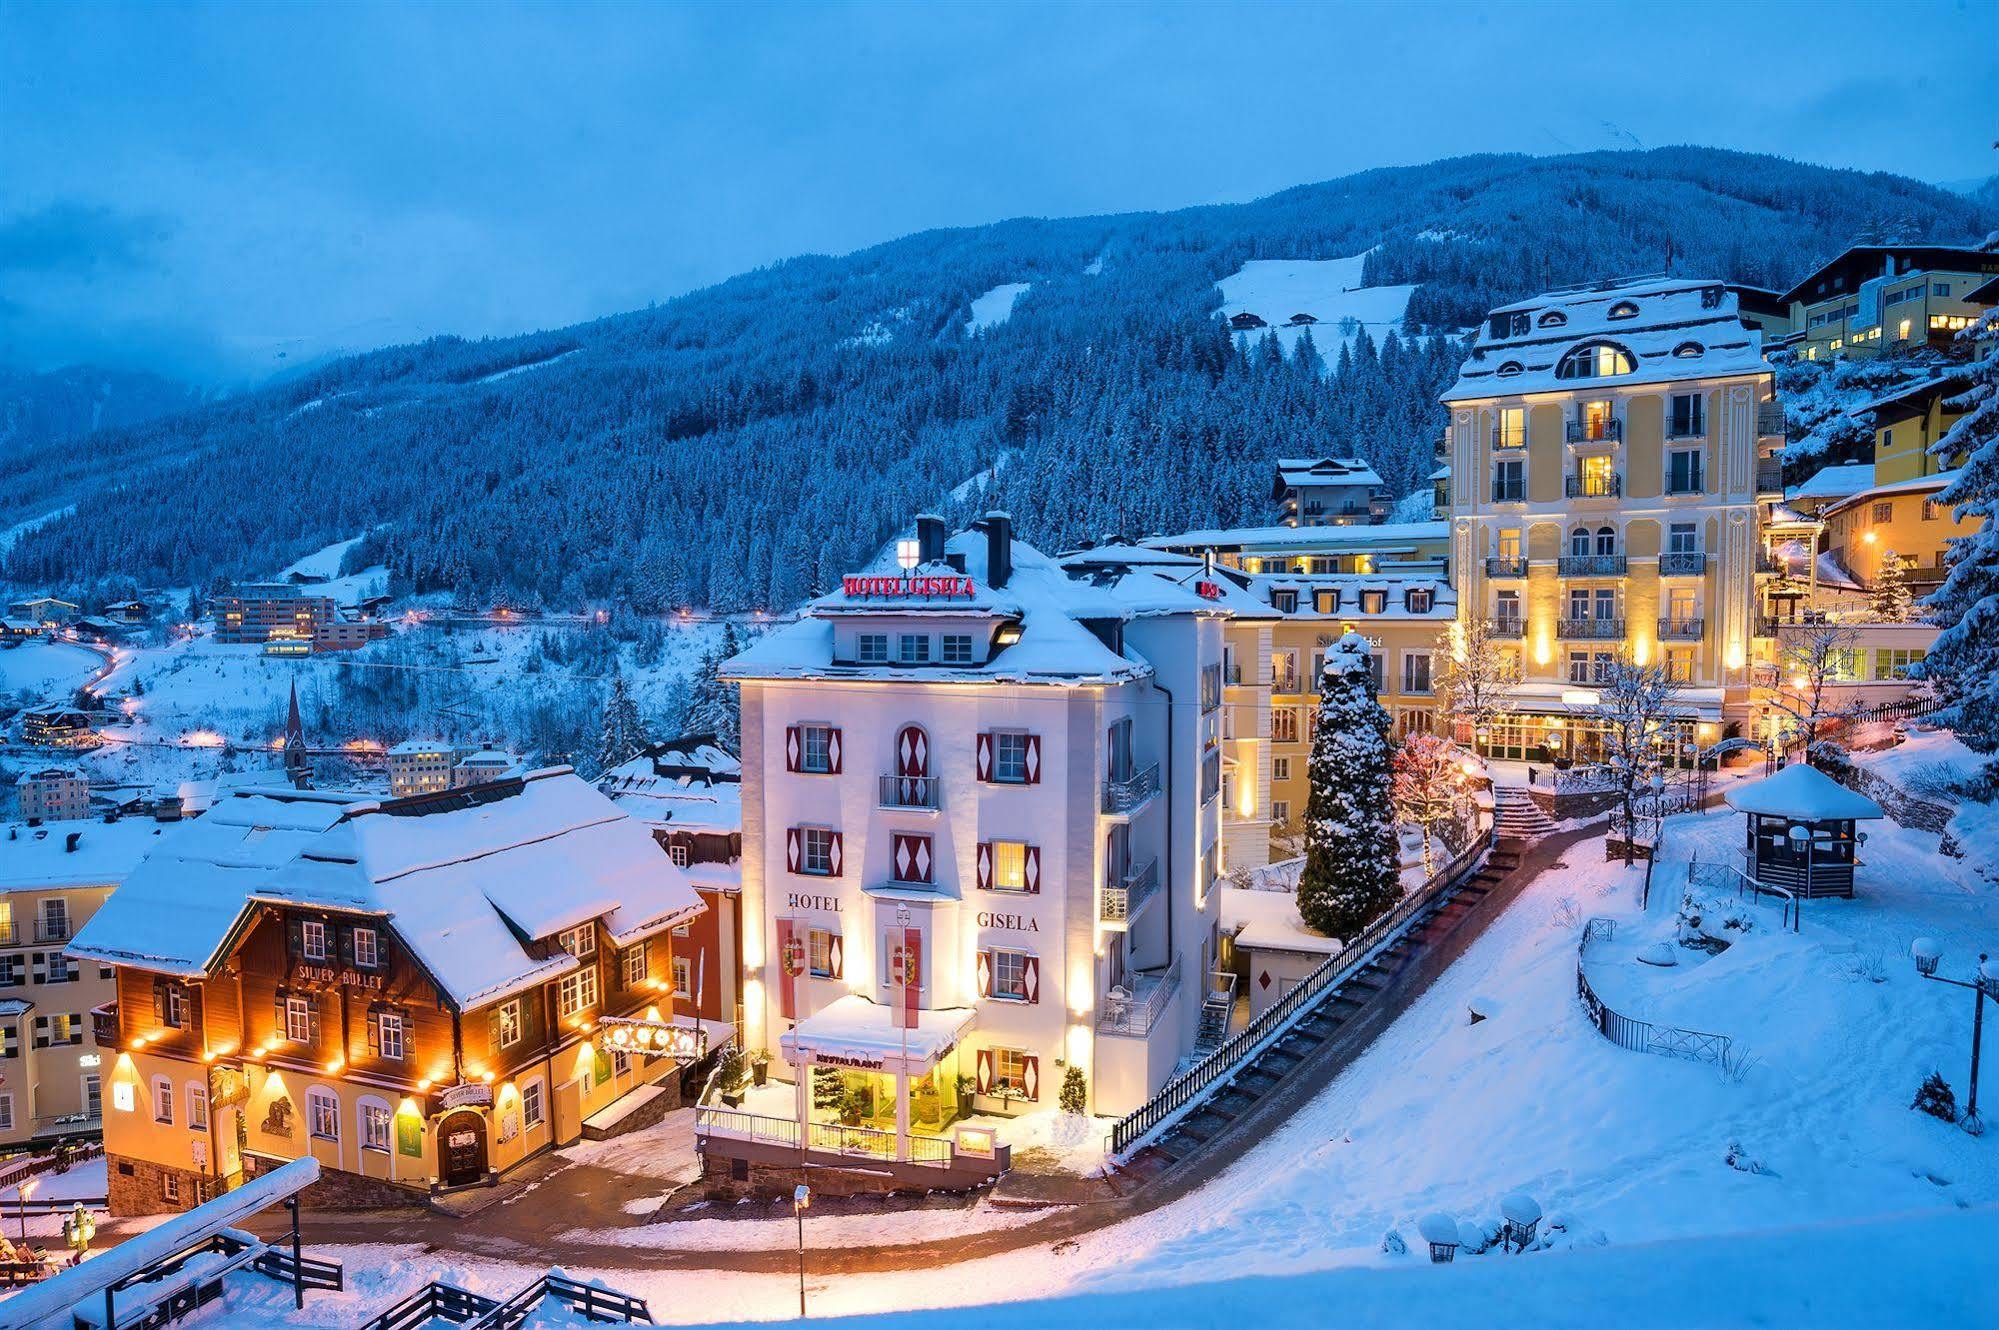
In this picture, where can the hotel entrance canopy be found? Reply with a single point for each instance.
(854, 1032)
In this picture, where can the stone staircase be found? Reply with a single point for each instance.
(1515, 815)
(1364, 994)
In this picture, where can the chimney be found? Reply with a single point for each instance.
(69, 842)
(929, 538)
(999, 548)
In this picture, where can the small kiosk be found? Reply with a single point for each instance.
(1801, 830)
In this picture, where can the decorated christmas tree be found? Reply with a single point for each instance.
(1349, 879)
(1891, 600)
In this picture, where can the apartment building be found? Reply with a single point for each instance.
(981, 836)
(1327, 491)
(290, 618)
(54, 794)
(420, 766)
(53, 879)
(1408, 547)
(1876, 298)
(1608, 448)
(420, 993)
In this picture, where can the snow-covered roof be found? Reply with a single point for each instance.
(1677, 328)
(674, 799)
(1293, 472)
(1833, 482)
(1375, 538)
(1919, 485)
(1395, 589)
(864, 1033)
(105, 852)
(1269, 921)
(1804, 793)
(1936, 380)
(177, 906)
(463, 875)
(412, 747)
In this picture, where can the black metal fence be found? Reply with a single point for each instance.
(432, 1302)
(1193, 1085)
(1642, 1036)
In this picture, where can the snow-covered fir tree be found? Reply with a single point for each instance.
(1890, 600)
(713, 704)
(1965, 659)
(624, 735)
(1351, 852)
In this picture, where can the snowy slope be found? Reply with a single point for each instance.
(1329, 290)
(47, 670)
(995, 307)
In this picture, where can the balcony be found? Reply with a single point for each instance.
(1769, 477)
(1126, 795)
(1680, 630)
(1682, 563)
(1595, 431)
(1509, 628)
(1592, 565)
(909, 792)
(104, 1025)
(1502, 441)
(57, 931)
(1498, 565)
(1770, 419)
(1138, 1004)
(1509, 491)
(1124, 898)
(1603, 485)
(1592, 630)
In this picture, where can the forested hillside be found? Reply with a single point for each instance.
(743, 445)
(62, 404)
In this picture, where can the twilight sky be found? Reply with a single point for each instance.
(198, 189)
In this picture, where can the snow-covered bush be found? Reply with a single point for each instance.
(1936, 1098)
(1393, 1245)
(1351, 847)
(1739, 1160)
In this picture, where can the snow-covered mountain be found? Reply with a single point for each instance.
(743, 445)
(62, 404)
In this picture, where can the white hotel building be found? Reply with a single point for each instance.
(1018, 759)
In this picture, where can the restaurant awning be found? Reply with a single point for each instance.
(854, 1032)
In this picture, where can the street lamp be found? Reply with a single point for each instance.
(801, 1201)
(1926, 953)
(21, 1194)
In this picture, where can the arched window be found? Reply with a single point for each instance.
(163, 1100)
(1688, 350)
(197, 1106)
(322, 1113)
(1606, 540)
(1554, 318)
(1510, 368)
(1594, 360)
(1623, 309)
(373, 1118)
(1579, 542)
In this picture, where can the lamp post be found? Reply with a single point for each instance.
(1926, 953)
(21, 1195)
(801, 1201)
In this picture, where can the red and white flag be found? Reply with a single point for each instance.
(909, 973)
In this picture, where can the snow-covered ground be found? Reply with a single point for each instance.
(9, 535)
(1329, 290)
(995, 307)
(46, 669)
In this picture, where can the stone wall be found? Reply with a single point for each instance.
(138, 1187)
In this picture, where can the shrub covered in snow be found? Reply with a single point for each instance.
(1936, 1098)
(1351, 847)
(1393, 1245)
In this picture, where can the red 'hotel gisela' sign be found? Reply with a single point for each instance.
(904, 587)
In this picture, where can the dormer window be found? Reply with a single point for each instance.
(1688, 350)
(580, 942)
(913, 648)
(1554, 318)
(871, 648)
(1419, 599)
(1623, 309)
(1508, 325)
(1509, 369)
(1284, 602)
(1594, 360)
(1373, 602)
(957, 649)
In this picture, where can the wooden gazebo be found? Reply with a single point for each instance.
(1801, 830)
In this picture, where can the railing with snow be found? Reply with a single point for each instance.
(1642, 1036)
(1194, 1085)
(20, 1170)
(1728, 878)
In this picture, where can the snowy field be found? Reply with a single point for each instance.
(995, 307)
(1329, 290)
(44, 669)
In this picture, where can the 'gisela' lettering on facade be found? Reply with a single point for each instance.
(907, 586)
(800, 901)
(1019, 923)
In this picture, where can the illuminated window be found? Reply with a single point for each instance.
(390, 1035)
(1512, 431)
(163, 1101)
(312, 939)
(322, 1114)
(577, 992)
(1903, 329)
(1594, 360)
(819, 943)
(580, 942)
(507, 1024)
(375, 1126)
(298, 1020)
(367, 949)
(1623, 309)
(531, 1104)
(1009, 975)
(635, 965)
(1009, 865)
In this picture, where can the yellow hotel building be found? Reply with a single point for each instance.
(1607, 447)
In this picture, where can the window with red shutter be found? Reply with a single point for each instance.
(910, 859)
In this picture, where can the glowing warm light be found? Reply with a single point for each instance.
(1734, 657)
(334, 1065)
(488, 1078)
(202, 739)
(408, 1108)
(1870, 537)
(423, 1086)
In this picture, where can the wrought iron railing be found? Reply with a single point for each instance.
(1124, 898)
(1592, 630)
(1729, 878)
(909, 792)
(1499, 565)
(1504, 491)
(1770, 418)
(1123, 795)
(1769, 477)
(1595, 431)
(1598, 486)
(1642, 1036)
(1682, 563)
(1143, 1001)
(1507, 627)
(1680, 630)
(1592, 565)
(1193, 1086)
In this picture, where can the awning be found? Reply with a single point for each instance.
(854, 1032)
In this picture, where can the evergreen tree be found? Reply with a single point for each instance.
(1351, 850)
(1965, 659)
(1891, 600)
(624, 735)
(713, 704)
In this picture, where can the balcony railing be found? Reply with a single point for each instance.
(1502, 440)
(1498, 565)
(1595, 431)
(1594, 486)
(1592, 565)
(1769, 477)
(910, 792)
(1122, 795)
(830, 1138)
(1766, 562)
(1682, 563)
(1125, 897)
(1593, 630)
(1137, 1005)
(46, 931)
(1504, 491)
(104, 1025)
(1680, 630)
(1506, 627)
(1770, 418)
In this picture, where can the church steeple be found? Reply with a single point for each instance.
(296, 767)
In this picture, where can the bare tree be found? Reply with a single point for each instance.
(1812, 660)
(1636, 705)
(1478, 678)
(1431, 788)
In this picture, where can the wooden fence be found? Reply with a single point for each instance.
(1194, 1085)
